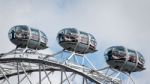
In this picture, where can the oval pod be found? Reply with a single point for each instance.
(24, 36)
(124, 59)
(77, 41)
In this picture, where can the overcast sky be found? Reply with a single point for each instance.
(112, 22)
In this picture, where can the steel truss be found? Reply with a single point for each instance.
(21, 64)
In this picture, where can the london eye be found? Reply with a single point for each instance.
(25, 65)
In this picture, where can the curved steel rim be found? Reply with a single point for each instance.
(66, 68)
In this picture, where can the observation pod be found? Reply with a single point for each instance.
(124, 59)
(26, 37)
(77, 41)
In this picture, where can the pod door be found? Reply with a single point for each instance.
(34, 39)
(43, 40)
(83, 45)
(131, 61)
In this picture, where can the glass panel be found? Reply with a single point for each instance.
(73, 31)
(141, 58)
(84, 37)
(119, 52)
(35, 34)
(60, 36)
(93, 41)
(25, 32)
(92, 37)
(132, 55)
(12, 33)
(22, 32)
(43, 34)
(83, 34)
(61, 32)
(18, 32)
(21, 27)
(108, 54)
(68, 34)
(18, 28)
(70, 31)
(43, 37)
(119, 48)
